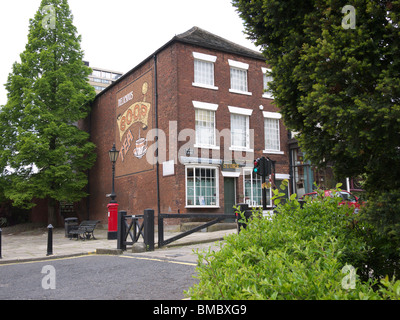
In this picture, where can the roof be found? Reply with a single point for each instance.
(203, 38)
(199, 37)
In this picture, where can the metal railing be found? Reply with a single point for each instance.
(134, 226)
(217, 218)
(134, 229)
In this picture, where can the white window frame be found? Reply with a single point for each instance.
(252, 202)
(266, 79)
(200, 197)
(211, 107)
(242, 67)
(272, 116)
(209, 59)
(245, 113)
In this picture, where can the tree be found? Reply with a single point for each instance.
(312, 252)
(336, 71)
(43, 153)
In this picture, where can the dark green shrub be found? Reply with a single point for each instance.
(381, 218)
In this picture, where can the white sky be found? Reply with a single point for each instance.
(119, 34)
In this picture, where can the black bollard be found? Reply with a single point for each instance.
(149, 229)
(50, 240)
(0, 244)
(121, 230)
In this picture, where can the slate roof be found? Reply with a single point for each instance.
(203, 38)
(199, 37)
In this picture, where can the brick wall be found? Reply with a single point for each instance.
(175, 75)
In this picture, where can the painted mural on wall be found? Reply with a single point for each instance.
(134, 117)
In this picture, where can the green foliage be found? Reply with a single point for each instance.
(339, 88)
(297, 254)
(381, 216)
(43, 152)
(278, 194)
(383, 210)
(390, 289)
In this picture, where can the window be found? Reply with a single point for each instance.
(272, 132)
(240, 128)
(266, 80)
(116, 76)
(253, 191)
(204, 70)
(96, 73)
(205, 124)
(201, 187)
(98, 88)
(106, 75)
(239, 77)
(100, 80)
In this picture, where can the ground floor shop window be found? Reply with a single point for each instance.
(306, 177)
(252, 189)
(201, 187)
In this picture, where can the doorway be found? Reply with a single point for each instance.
(229, 195)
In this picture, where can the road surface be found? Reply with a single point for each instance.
(97, 277)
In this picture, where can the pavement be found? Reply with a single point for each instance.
(31, 245)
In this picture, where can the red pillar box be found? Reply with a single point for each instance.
(112, 221)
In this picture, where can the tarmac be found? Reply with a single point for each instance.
(32, 245)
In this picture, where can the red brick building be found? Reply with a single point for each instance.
(204, 98)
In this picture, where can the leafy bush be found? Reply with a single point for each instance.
(296, 254)
(381, 216)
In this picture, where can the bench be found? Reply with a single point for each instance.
(84, 230)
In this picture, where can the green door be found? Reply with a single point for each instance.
(229, 195)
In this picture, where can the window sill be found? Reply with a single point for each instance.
(203, 206)
(205, 86)
(273, 152)
(240, 92)
(199, 146)
(233, 148)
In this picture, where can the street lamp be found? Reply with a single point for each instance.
(113, 205)
(113, 154)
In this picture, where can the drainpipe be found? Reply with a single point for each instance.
(156, 116)
(291, 176)
(88, 198)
